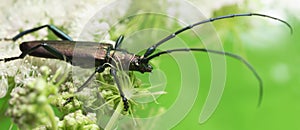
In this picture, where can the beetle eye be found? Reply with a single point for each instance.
(137, 63)
(149, 67)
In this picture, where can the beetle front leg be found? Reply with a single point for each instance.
(124, 99)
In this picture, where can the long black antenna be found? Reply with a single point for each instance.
(153, 47)
(216, 52)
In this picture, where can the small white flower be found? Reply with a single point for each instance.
(3, 86)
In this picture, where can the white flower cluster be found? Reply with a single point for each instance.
(25, 14)
(17, 16)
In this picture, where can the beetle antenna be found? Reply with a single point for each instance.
(151, 49)
(250, 67)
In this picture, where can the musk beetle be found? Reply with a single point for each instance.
(63, 50)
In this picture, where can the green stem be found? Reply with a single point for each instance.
(51, 115)
(114, 117)
(11, 126)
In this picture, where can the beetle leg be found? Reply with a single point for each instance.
(124, 99)
(49, 48)
(60, 34)
(99, 69)
(68, 100)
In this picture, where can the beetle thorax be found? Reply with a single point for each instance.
(130, 62)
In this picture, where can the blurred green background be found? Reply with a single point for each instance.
(277, 64)
(266, 44)
(273, 52)
(275, 57)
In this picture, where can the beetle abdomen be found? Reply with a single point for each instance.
(83, 54)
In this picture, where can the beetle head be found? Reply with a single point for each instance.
(141, 65)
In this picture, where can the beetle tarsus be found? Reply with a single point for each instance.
(68, 100)
(125, 103)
